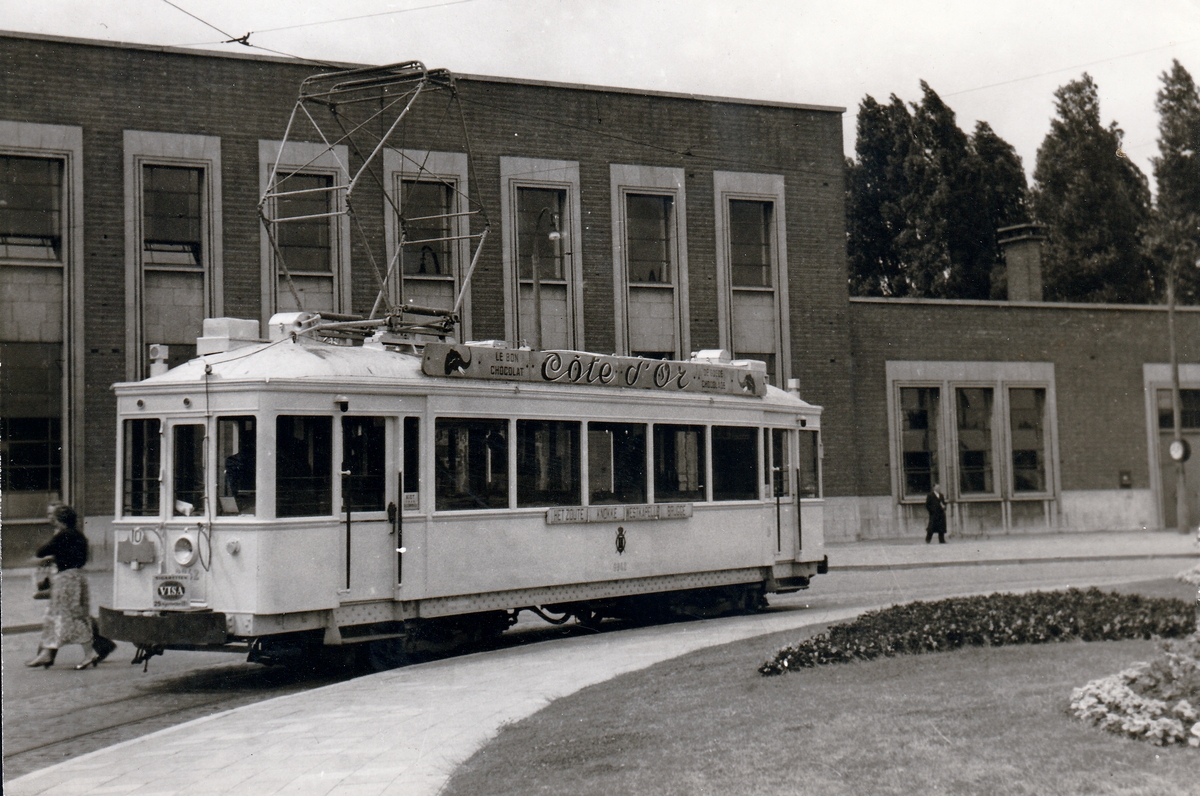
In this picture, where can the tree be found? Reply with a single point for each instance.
(924, 201)
(1094, 203)
(875, 185)
(1174, 234)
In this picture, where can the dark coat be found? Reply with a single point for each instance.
(69, 548)
(935, 504)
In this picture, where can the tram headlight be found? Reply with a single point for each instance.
(185, 551)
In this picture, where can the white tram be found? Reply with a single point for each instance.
(289, 495)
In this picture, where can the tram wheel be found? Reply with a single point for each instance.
(384, 654)
(588, 619)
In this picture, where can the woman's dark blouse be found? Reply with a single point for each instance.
(69, 548)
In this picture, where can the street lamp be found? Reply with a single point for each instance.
(535, 266)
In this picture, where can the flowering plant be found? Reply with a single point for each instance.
(992, 620)
(1149, 701)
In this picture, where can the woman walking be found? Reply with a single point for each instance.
(68, 619)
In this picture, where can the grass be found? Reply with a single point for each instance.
(972, 721)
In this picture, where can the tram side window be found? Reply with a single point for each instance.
(412, 462)
(303, 466)
(187, 444)
(735, 463)
(364, 454)
(781, 462)
(809, 464)
(471, 457)
(678, 463)
(616, 463)
(236, 446)
(548, 463)
(142, 457)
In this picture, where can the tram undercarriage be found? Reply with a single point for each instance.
(385, 645)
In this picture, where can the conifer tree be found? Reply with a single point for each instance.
(1175, 229)
(1094, 203)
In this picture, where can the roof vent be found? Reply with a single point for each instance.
(226, 334)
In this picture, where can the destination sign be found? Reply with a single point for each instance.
(653, 511)
(597, 370)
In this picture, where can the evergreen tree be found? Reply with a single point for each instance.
(924, 201)
(875, 186)
(1175, 229)
(1094, 203)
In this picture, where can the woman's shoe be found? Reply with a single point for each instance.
(92, 661)
(45, 658)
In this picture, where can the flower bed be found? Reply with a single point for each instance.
(991, 620)
(1154, 701)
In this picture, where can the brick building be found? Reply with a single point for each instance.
(1036, 416)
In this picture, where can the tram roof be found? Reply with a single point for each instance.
(303, 359)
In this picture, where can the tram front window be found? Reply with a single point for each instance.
(678, 463)
(236, 452)
(735, 463)
(471, 456)
(303, 466)
(364, 452)
(141, 457)
(188, 471)
(547, 463)
(616, 463)
(810, 465)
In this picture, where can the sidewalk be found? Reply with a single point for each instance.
(404, 731)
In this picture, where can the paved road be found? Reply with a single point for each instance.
(57, 714)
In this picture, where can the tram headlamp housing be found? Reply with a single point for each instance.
(185, 551)
(343, 403)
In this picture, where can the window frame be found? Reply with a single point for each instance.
(626, 180)
(400, 165)
(516, 173)
(306, 159)
(769, 188)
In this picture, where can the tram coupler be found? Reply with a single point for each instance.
(144, 654)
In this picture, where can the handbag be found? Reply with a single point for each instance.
(41, 580)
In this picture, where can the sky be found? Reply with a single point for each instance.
(999, 62)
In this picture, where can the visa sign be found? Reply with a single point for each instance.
(170, 591)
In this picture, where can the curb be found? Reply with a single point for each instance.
(1004, 561)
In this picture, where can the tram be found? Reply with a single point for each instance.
(337, 485)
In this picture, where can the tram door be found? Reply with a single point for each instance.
(366, 531)
(782, 491)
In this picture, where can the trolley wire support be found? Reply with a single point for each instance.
(360, 118)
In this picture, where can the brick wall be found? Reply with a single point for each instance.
(1098, 353)
(108, 89)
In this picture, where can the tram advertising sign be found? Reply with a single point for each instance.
(597, 370)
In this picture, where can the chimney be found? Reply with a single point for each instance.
(1022, 248)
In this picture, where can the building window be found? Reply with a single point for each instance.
(304, 259)
(679, 463)
(548, 463)
(735, 463)
(426, 228)
(751, 263)
(31, 209)
(919, 407)
(984, 430)
(649, 262)
(303, 466)
(616, 463)
(1189, 404)
(752, 289)
(306, 230)
(141, 458)
(41, 324)
(1027, 424)
(540, 204)
(364, 459)
(471, 461)
(173, 243)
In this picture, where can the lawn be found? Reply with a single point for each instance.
(973, 721)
